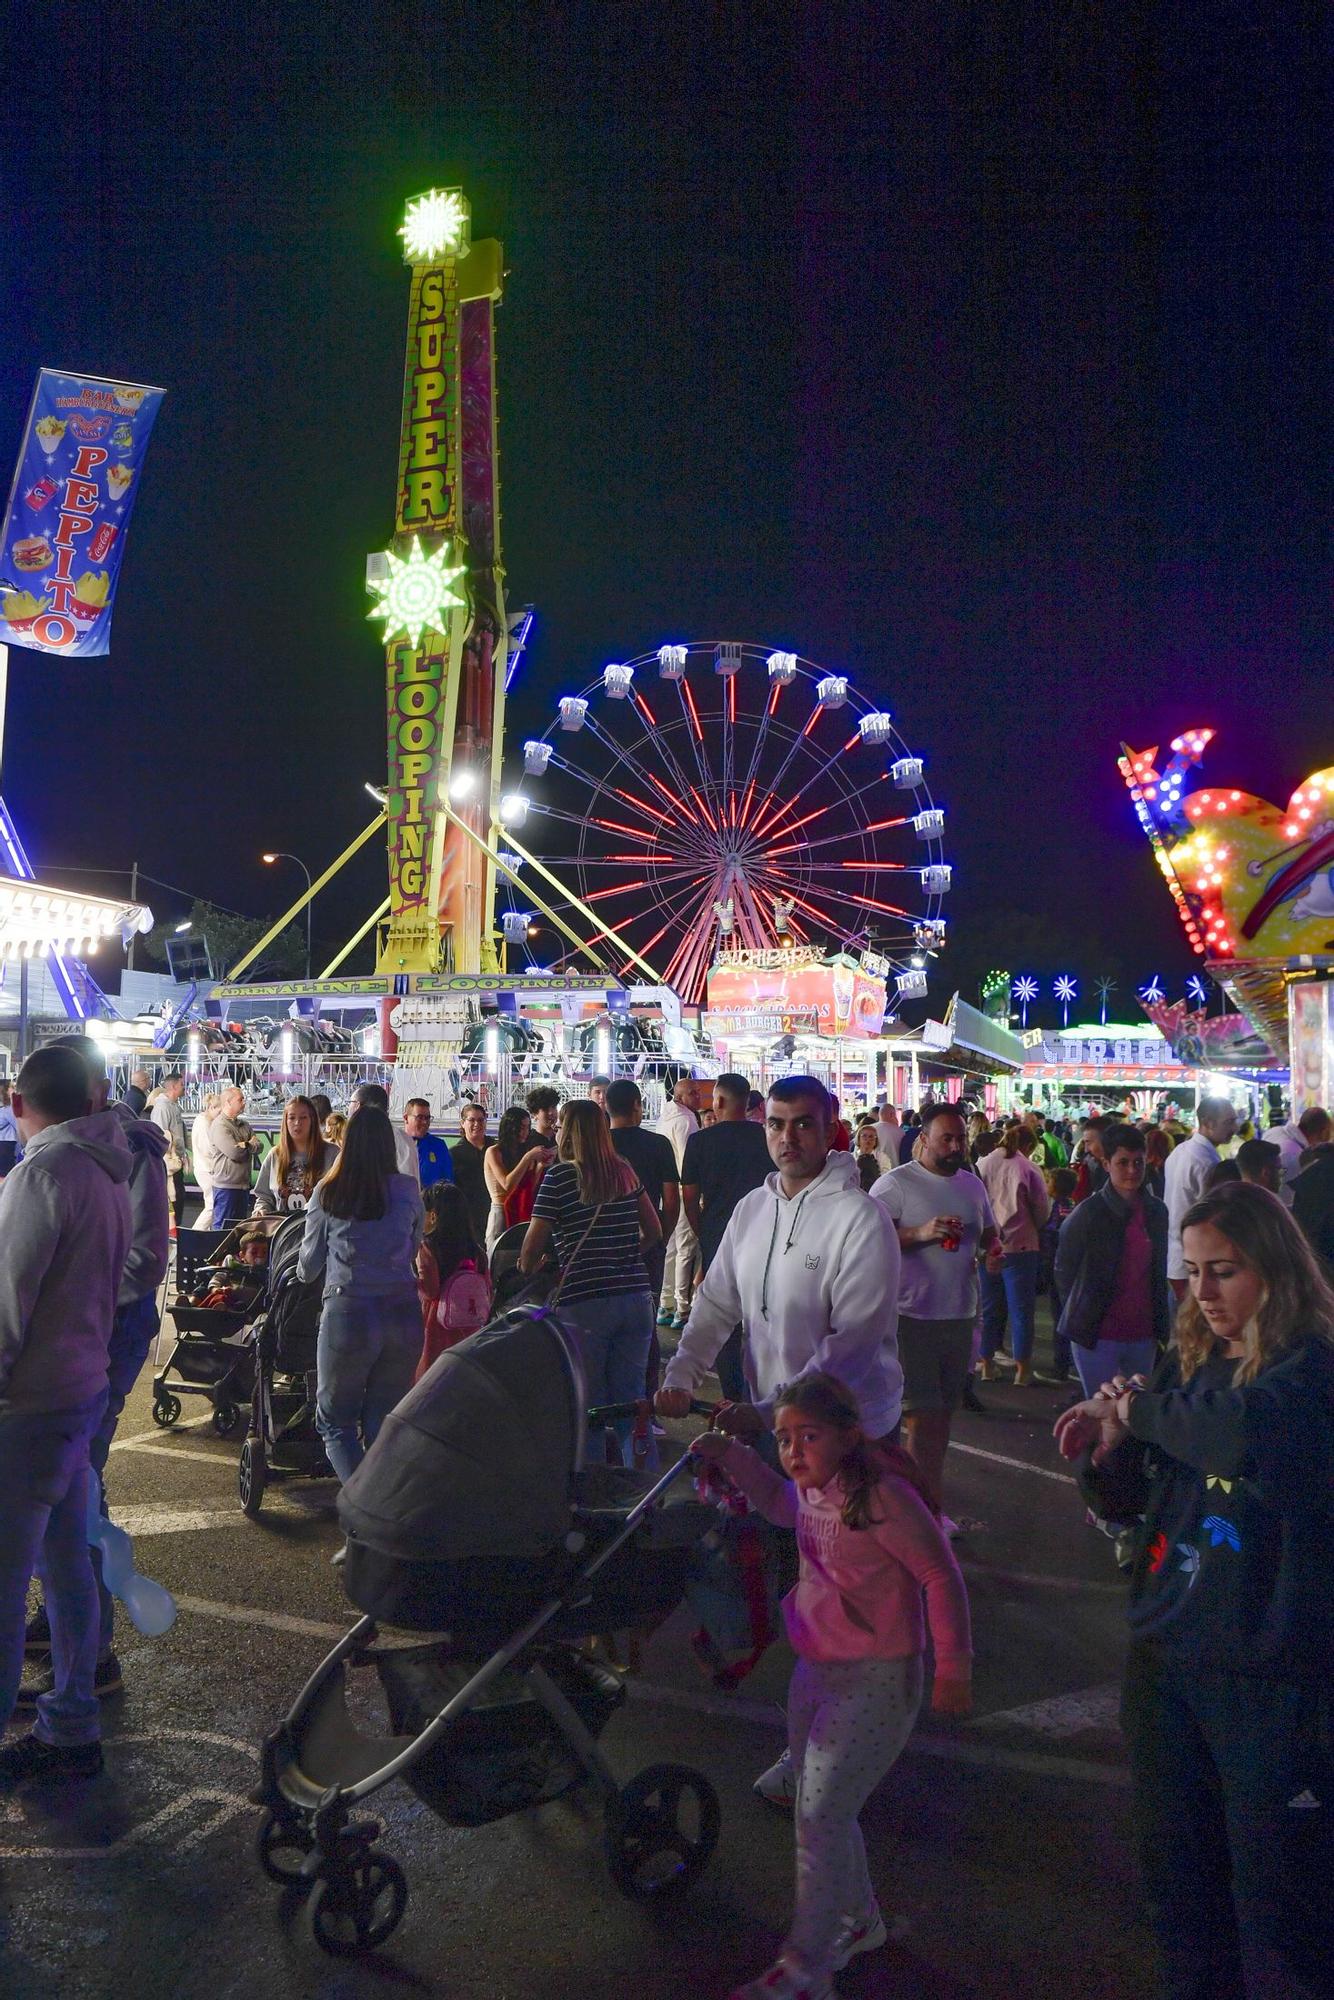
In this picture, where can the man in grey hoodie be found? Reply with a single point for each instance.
(65, 1225)
(132, 1334)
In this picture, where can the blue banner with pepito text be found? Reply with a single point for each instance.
(69, 510)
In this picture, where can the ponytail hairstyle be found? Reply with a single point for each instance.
(824, 1399)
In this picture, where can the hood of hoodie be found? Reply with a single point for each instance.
(141, 1134)
(101, 1135)
(838, 1174)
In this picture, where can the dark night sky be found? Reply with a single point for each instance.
(979, 352)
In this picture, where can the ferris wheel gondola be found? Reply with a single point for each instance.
(726, 792)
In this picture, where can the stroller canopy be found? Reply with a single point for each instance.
(480, 1458)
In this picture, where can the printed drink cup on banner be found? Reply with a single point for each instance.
(66, 474)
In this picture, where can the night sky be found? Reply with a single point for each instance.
(977, 352)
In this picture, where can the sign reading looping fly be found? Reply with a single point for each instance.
(69, 511)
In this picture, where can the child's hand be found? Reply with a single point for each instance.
(952, 1697)
(710, 1445)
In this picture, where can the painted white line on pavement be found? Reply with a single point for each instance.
(245, 1614)
(179, 1451)
(128, 1443)
(228, 1804)
(159, 1519)
(1063, 1715)
(1019, 1464)
(951, 1749)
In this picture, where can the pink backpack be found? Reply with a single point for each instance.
(464, 1304)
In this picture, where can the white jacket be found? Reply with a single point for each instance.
(814, 1282)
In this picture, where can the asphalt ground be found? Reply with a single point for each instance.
(1001, 1844)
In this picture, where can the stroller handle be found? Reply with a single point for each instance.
(610, 1413)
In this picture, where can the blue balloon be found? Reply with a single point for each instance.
(151, 1608)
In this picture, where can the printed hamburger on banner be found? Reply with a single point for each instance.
(66, 472)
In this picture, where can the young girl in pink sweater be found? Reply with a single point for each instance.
(870, 1547)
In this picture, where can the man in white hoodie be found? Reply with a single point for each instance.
(66, 1230)
(809, 1266)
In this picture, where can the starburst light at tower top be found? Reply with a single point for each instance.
(438, 591)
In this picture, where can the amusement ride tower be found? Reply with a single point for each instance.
(440, 593)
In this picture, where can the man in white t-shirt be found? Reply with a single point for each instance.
(1188, 1167)
(944, 1224)
(676, 1124)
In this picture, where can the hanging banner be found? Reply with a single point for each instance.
(69, 510)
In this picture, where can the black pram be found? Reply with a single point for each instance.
(282, 1442)
(210, 1354)
(473, 1518)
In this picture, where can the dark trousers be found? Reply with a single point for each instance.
(729, 1370)
(1233, 1801)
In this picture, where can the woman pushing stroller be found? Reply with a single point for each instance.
(363, 1226)
(602, 1221)
(871, 1546)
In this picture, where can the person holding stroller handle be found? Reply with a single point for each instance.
(363, 1227)
(1225, 1461)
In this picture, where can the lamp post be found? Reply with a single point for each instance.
(269, 859)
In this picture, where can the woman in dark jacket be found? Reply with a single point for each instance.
(1111, 1269)
(1226, 1461)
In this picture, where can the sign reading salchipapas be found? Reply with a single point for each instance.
(69, 510)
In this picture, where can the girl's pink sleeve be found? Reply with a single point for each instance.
(775, 1496)
(914, 1537)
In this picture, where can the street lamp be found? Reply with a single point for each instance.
(282, 855)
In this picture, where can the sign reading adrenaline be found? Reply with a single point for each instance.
(69, 511)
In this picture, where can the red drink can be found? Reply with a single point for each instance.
(102, 541)
(950, 1242)
(38, 494)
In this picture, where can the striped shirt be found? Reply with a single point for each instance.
(609, 1262)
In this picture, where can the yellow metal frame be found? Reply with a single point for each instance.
(301, 901)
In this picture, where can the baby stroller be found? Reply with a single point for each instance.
(282, 1442)
(507, 1556)
(210, 1354)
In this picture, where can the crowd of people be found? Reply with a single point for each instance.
(847, 1285)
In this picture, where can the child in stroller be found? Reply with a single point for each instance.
(507, 1557)
(219, 1286)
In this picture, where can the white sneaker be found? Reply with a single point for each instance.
(778, 1785)
(858, 1934)
(785, 1982)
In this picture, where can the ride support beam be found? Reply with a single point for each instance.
(244, 963)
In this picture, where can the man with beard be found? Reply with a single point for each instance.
(944, 1224)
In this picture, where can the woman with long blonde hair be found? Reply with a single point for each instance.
(601, 1220)
(1225, 1462)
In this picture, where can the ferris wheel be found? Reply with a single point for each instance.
(723, 793)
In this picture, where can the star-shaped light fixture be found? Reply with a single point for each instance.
(415, 592)
(436, 224)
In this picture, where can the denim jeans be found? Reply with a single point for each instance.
(614, 1335)
(230, 1205)
(367, 1356)
(133, 1332)
(1099, 1364)
(44, 1509)
(1011, 1293)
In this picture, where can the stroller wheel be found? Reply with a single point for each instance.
(252, 1476)
(226, 1417)
(357, 1904)
(281, 1847)
(661, 1830)
(166, 1409)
